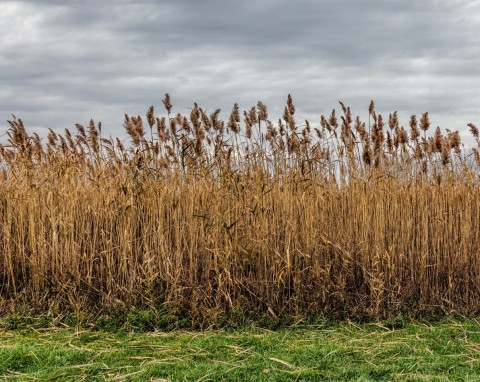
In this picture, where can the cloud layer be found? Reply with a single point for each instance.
(64, 64)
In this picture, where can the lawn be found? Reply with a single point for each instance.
(446, 350)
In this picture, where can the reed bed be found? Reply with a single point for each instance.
(206, 219)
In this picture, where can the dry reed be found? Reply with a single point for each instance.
(205, 218)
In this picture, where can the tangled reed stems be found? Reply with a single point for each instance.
(204, 218)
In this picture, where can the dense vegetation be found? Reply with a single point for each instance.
(213, 220)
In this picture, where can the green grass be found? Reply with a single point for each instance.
(447, 350)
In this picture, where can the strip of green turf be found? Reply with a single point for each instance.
(448, 350)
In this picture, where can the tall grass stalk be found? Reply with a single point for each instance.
(205, 218)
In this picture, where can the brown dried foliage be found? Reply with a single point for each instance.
(205, 221)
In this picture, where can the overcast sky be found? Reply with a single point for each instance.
(64, 62)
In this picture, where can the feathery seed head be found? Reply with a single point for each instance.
(424, 122)
(290, 105)
(473, 130)
(262, 112)
(233, 121)
(167, 104)
(151, 116)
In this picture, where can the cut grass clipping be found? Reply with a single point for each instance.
(209, 220)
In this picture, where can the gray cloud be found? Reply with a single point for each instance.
(66, 62)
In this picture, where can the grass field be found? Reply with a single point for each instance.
(447, 350)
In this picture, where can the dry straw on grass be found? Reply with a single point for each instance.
(204, 218)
